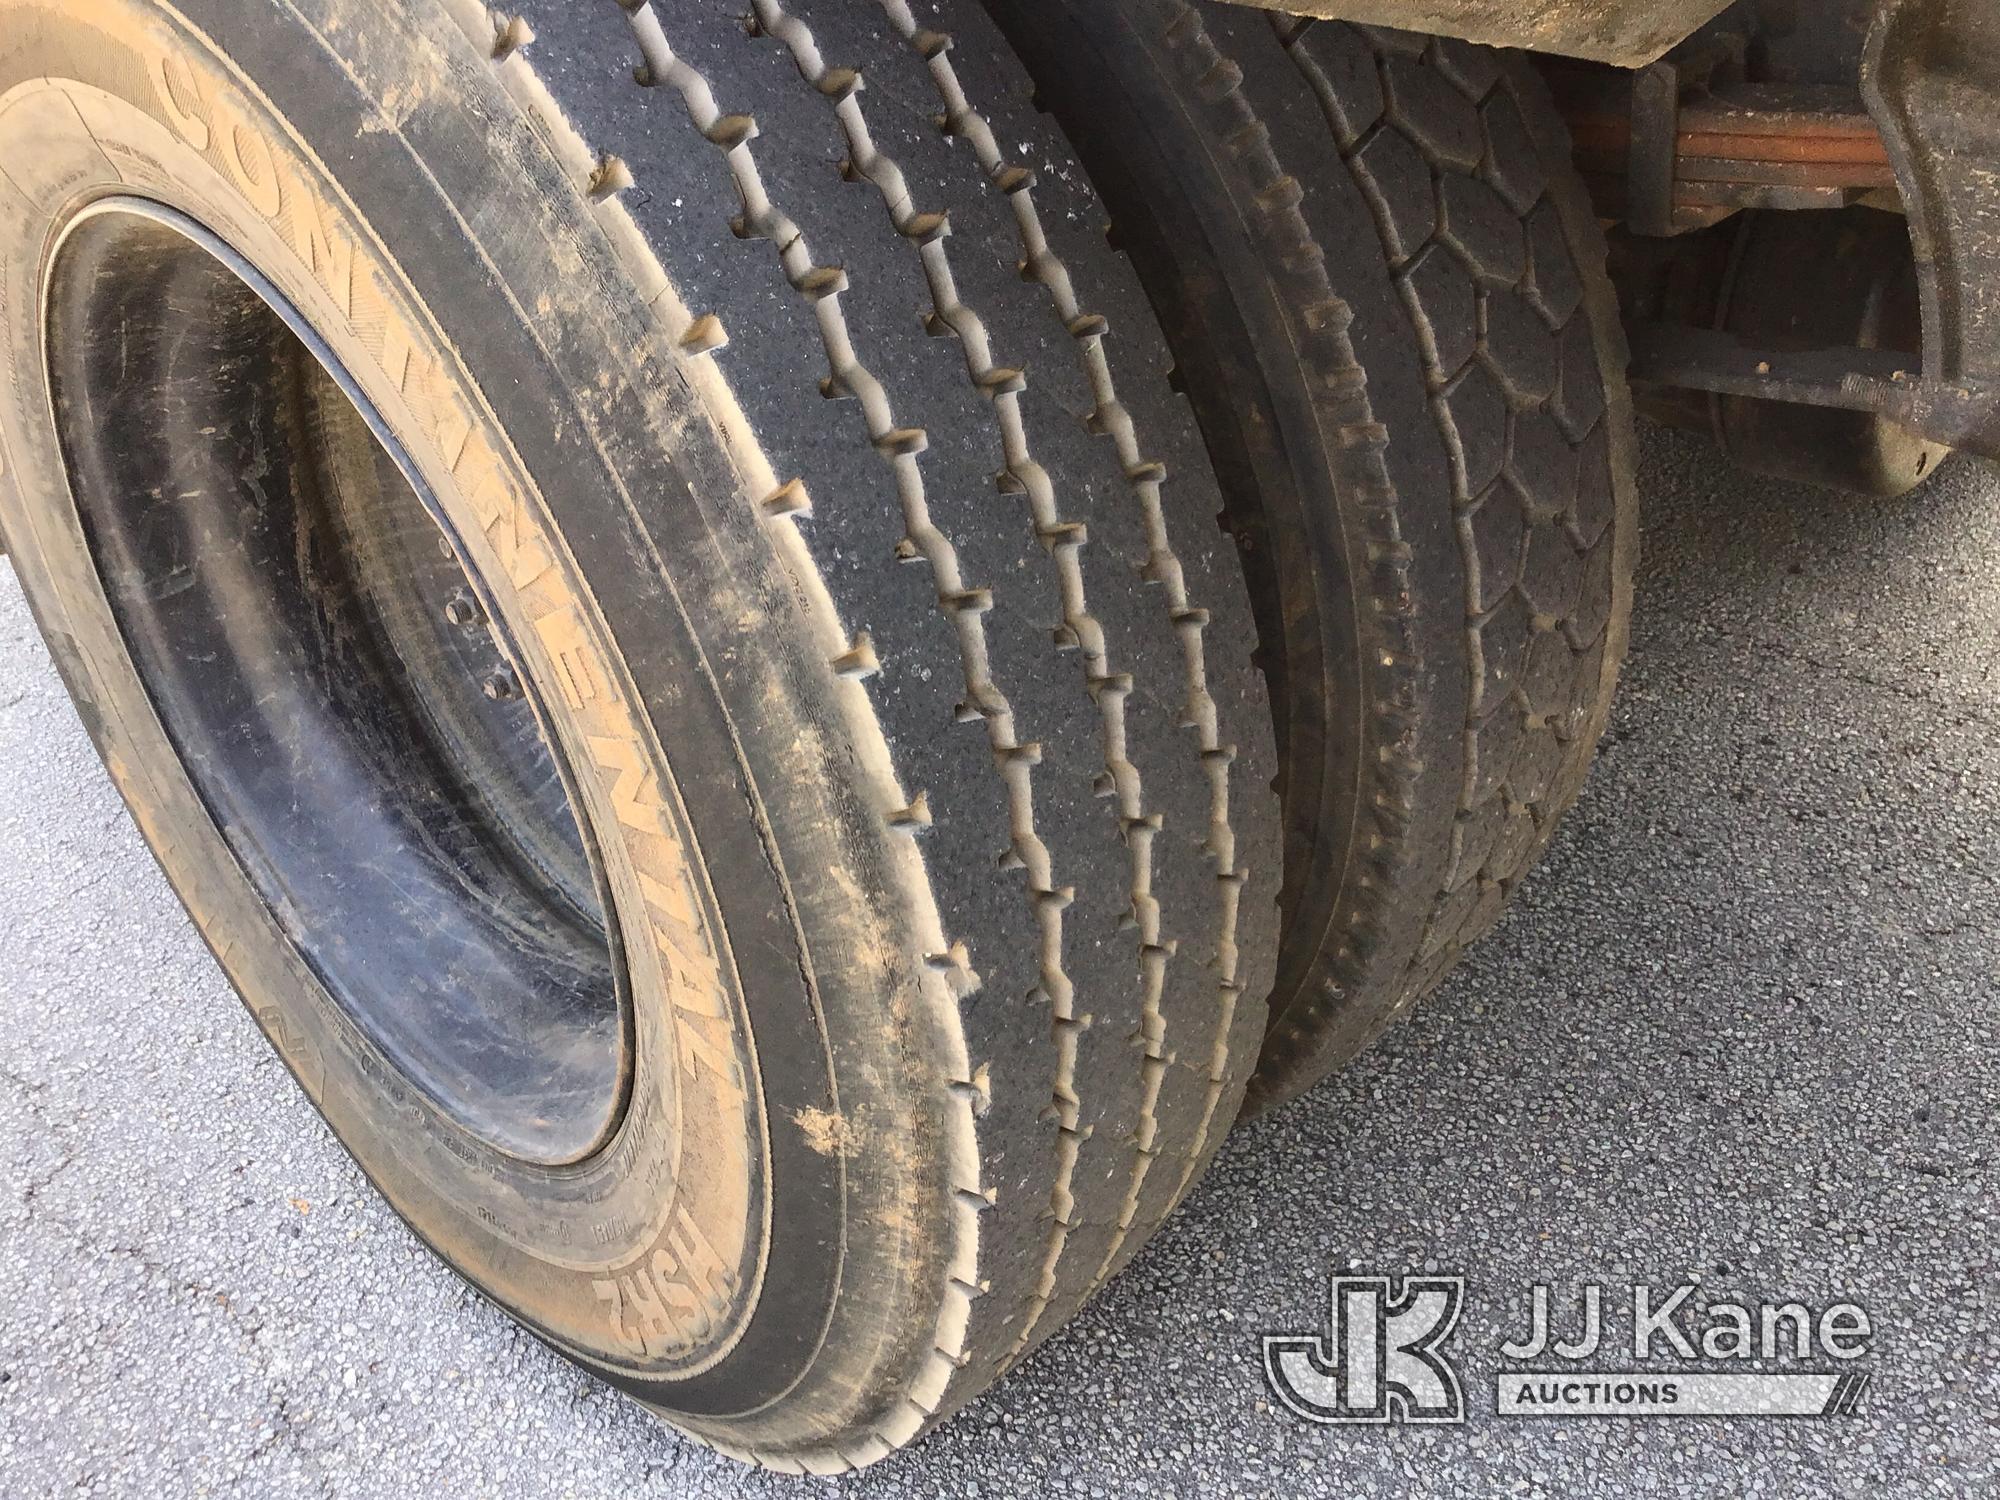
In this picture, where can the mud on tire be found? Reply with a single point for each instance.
(815, 471)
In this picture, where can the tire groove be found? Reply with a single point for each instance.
(1110, 417)
(940, 1379)
(1561, 779)
(699, 335)
(1064, 541)
(1359, 441)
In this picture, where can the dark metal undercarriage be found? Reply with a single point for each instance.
(1804, 210)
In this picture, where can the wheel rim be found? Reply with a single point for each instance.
(343, 692)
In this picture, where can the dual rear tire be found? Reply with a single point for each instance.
(670, 626)
(1385, 294)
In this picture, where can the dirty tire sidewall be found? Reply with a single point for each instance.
(942, 1000)
(595, 1259)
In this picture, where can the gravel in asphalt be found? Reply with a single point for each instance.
(1740, 1030)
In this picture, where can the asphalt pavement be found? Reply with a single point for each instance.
(1740, 1031)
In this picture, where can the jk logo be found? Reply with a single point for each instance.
(1382, 1362)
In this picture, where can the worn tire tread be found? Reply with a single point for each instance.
(1074, 620)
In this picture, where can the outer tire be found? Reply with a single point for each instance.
(1385, 296)
(895, 612)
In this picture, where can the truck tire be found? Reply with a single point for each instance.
(1385, 296)
(662, 621)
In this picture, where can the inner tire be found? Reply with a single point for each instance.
(1385, 295)
(678, 654)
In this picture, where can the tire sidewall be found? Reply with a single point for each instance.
(620, 1280)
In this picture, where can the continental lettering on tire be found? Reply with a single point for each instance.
(222, 131)
(667, 1303)
(677, 1286)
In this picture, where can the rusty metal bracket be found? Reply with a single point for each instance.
(1673, 160)
(1651, 149)
(1964, 415)
(1930, 74)
(1708, 359)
